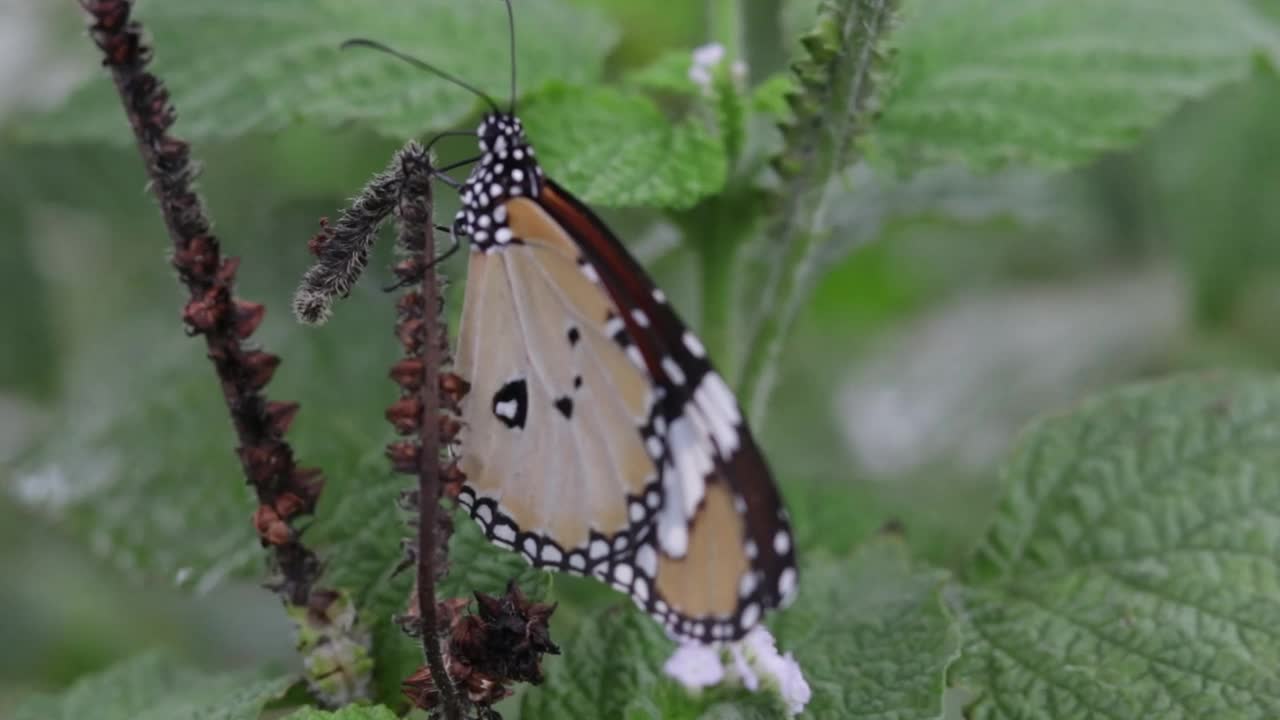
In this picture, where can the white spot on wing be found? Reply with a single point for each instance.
(722, 426)
(674, 538)
(692, 463)
(506, 409)
(614, 324)
(694, 345)
(672, 370)
(623, 574)
(505, 532)
(599, 549)
(641, 591)
(647, 560)
(781, 542)
(787, 584)
(750, 614)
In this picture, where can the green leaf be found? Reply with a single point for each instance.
(1134, 568)
(240, 66)
(871, 635)
(1213, 200)
(614, 148)
(730, 111)
(770, 96)
(24, 303)
(477, 565)
(1054, 82)
(872, 201)
(155, 687)
(351, 712)
(613, 658)
(668, 73)
(366, 536)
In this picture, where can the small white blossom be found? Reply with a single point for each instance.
(695, 666)
(708, 55)
(741, 668)
(705, 59)
(753, 662)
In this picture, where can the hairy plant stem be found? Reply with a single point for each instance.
(417, 235)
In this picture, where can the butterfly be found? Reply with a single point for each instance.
(597, 438)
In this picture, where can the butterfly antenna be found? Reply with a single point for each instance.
(422, 65)
(511, 34)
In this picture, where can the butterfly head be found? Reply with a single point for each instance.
(507, 169)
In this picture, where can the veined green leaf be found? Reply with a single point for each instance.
(615, 148)
(1053, 82)
(155, 687)
(871, 635)
(240, 66)
(1134, 568)
(612, 659)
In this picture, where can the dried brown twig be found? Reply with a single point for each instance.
(420, 325)
(285, 491)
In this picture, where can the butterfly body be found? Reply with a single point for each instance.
(598, 439)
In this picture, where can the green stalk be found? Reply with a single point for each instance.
(724, 20)
(830, 113)
(708, 228)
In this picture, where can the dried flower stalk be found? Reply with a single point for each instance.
(285, 491)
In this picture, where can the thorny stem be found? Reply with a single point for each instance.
(285, 491)
(417, 235)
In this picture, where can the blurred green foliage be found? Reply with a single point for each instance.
(121, 483)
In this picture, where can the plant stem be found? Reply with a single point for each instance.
(417, 233)
(724, 19)
(704, 228)
(285, 492)
(820, 143)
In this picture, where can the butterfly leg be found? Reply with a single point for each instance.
(454, 244)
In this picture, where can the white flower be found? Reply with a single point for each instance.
(757, 662)
(753, 662)
(695, 666)
(705, 58)
(708, 55)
